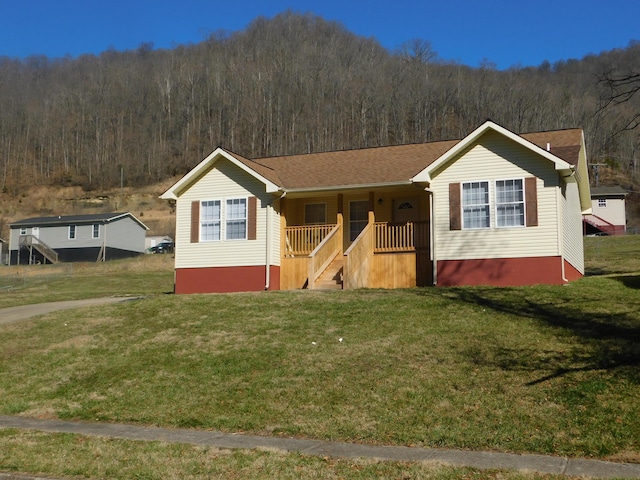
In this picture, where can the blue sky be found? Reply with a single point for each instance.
(507, 33)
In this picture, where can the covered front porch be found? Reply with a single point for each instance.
(372, 239)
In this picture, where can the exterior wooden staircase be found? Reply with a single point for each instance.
(45, 250)
(331, 278)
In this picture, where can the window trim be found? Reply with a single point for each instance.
(201, 221)
(72, 232)
(523, 202)
(227, 219)
(23, 231)
(602, 203)
(93, 230)
(488, 205)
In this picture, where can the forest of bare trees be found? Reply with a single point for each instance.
(291, 84)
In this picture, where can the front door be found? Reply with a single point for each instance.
(406, 210)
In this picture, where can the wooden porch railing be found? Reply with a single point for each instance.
(303, 240)
(400, 237)
(324, 253)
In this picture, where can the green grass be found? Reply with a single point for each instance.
(545, 369)
(144, 275)
(77, 456)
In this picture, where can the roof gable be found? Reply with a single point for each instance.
(559, 164)
(261, 172)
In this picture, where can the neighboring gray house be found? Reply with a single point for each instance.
(76, 238)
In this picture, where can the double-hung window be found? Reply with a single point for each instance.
(509, 203)
(96, 231)
(236, 219)
(602, 202)
(72, 232)
(475, 205)
(210, 221)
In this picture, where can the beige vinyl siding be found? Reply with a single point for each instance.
(572, 242)
(295, 215)
(225, 181)
(487, 161)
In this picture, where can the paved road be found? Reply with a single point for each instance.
(22, 312)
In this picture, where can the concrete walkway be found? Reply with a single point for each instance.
(483, 460)
(23, 312)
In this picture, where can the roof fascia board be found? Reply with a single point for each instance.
(175, 190)
(337, 188)
(127, 214)
(425, 175)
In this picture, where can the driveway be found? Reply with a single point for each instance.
(22, 312)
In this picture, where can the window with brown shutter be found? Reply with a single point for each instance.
(195, 221)
(252, 219)
(455, 222)
(531, 200)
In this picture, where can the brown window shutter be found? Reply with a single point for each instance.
(455, 222)
(252, 219)
(195, 221)
(531, 201)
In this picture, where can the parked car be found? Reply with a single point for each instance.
(162, 247)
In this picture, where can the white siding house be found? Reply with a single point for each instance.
(494, 208)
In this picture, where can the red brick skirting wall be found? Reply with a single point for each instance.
(225, 279)
(504, 272)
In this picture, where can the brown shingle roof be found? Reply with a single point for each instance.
(384, 165)
(565, 144)
(367, 166)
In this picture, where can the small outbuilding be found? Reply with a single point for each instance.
(76, 238)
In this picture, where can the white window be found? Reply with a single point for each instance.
(315, 214)
(509, 203)
(72, 232)
(210, 220)
(96, 231)
(475, 205)
(23, 231)
(236, 219)
(602, 202)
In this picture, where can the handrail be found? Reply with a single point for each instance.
(324, 253)
(302, 240)
(358, 259)
(46, 251)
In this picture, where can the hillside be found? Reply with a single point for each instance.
(291, 84)
(47, 200)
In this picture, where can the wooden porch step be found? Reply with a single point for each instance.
(331, 278)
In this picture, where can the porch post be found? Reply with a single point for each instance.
(372, 215)
(283, 227)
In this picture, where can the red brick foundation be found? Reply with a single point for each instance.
(505, 272)
(226, 279)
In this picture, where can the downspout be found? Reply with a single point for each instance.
(432, 236)
(561, 233)
(267, 263)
